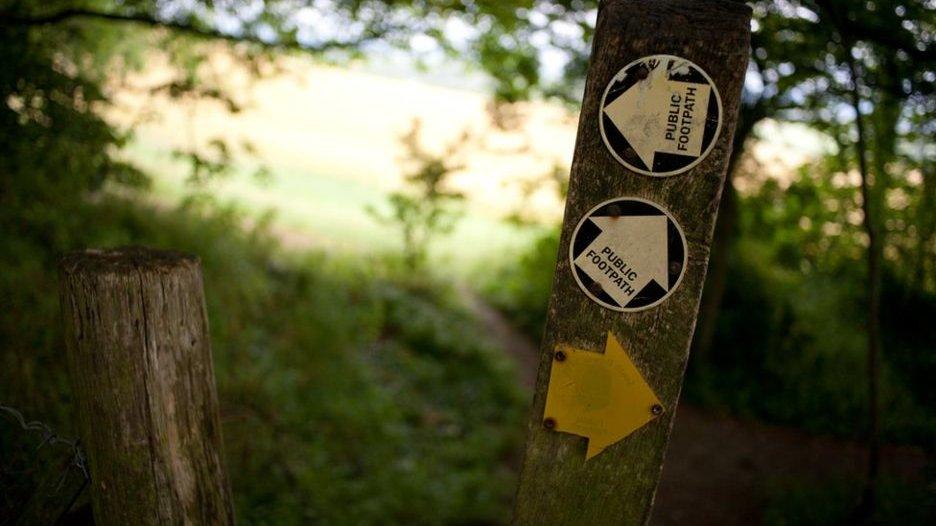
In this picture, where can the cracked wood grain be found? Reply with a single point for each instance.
(142, 378)
(557, 486)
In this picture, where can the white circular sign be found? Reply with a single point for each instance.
(628, 254)
(660, 115)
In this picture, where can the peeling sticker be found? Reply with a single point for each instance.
(660, 115)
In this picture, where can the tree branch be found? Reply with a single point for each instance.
(10, 19)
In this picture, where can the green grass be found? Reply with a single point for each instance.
(349, 394)
(329, 211)
(834, 503)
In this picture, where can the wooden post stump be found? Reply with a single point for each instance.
(653, 143)
(139, 357)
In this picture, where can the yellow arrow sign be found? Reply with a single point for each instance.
(601, 397)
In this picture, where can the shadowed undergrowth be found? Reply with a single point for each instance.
(349, 392)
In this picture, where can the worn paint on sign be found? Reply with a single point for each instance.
(601, 396)
(628, 254)
(660, 115)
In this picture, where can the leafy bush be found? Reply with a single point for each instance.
(348, 396)
(521, 288)
(790, 348)
(833, 503)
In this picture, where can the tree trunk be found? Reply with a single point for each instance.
(869, 495)
(725, 230)
(143, 382)
(717, 279)
(926, 222)
(867, 505)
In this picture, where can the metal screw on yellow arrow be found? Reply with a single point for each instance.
(600, 396)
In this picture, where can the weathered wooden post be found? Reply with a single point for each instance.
(142, 377)
(654, 137)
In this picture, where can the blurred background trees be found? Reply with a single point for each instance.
(388, 397)
(427, 210)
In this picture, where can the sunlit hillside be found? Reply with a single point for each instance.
(330, 138)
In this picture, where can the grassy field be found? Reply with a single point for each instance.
(330, 139)
(328, 211)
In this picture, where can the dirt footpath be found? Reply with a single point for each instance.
(717, 468)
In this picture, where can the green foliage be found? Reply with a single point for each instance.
(368, 404)
(829, 63)
(347, 396)
(789, 348)
(521, 288)
(790, 334)
(425, 211)
(494, 35)
(833, 503)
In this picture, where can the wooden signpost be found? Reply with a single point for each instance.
(660, 107)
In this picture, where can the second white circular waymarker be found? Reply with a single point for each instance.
(628, 254)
